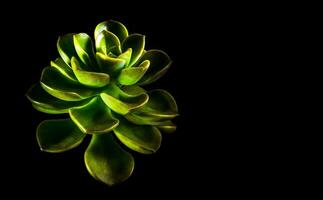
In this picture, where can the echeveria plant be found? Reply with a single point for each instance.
(99, 86)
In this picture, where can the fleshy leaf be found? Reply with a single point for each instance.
(113, 26)
(84, 49)
(92, 79)
(141, 138)
(137, 43)
(166, 126)
(62, 67)
(126, 56)
(159, 64)
(161, 106)
(108, 64)
(132, 75)
(133, 90)
(106, 161)
(94, 117)
(124, 105)
(45, 102)
(63, 88)
(65, 47)
(58, 135)
(107, 42)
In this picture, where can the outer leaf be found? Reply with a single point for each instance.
(166, 126)
(160, 107)
(62, 67)
(143, 139)
(113, 26)
(94, 117)
(108, 64)
(159, 64)
(106, 161)
(107, 42)
(44, 102)
(92, 79)
(125, 105)
(65, 47)
(58, 135)
(126, 56)
(132, 75)
(133, 90)
(63, 88)
(84, 49)
(137, 43)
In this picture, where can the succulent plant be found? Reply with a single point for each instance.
(99, 86)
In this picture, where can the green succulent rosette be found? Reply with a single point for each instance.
(99, 85)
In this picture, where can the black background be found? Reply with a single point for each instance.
(213, 48)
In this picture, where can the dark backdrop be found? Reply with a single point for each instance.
(212, 152)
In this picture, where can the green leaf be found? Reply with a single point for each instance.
(126, 56)
(107, 42)
(65, 47)
(132, 75)
(124, 105)
(94, 117)
(91, 79)
(63, 88)
(58, 135)
(115, 27)
(106, 161)
(140, 138)
(84, 49)
(133, 90)
(45, 102)
(137, 43)
(166, 126)
(161, 106)
(62, 67)
(108, 64)
(159, 64)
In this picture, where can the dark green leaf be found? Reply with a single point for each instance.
(137, 43)
(159, 64)
(166, 126)
(63, 88)
(65, 47)
(161, 106)
(58, 135)
(45, 102)
(113, 26)
(62, 67)
(106, 161)
(141, 138)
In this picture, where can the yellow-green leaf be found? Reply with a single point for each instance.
(92, 79)
(132, 75)
(107, 42)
